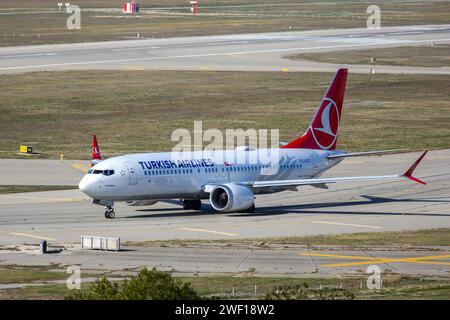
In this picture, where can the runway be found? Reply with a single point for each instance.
(243, 52)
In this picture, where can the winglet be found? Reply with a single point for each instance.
(409, 172)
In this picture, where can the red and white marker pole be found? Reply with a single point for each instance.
(194, 7)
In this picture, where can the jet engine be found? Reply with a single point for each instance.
(231, 197)
(140, 203)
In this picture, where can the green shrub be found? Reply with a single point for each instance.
(147, 285)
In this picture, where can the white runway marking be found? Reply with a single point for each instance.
(231, 42)
(31, 55)
(142, 48)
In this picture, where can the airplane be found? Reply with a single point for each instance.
(231, 185)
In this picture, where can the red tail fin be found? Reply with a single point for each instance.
(323, 130)
(95, 149)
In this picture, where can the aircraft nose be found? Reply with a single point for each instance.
(86, 185)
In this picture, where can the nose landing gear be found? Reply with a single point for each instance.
(109, 209)
(109, 212)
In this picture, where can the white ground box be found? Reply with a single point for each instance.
(100, 243)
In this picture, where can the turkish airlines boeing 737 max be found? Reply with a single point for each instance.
(227, 178)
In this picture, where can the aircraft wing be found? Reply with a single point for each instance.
(318, 181)
(366, 153)
(324, 181)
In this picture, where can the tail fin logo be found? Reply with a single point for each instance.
(96, 152)
(95, 149)
(325, 125)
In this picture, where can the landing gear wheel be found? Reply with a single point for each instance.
(192, 205)
(251, 209)
(196, 205)
(109, 213)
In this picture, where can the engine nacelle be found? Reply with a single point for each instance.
(231, 197)
(140, 203)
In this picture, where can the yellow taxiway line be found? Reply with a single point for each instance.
(42, 199)
(81, 167)
(374, 260)
(31, 236)
(339, 256)
(205, 68)
(348, 224)
(209, 231)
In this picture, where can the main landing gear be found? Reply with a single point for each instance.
(192, 204)
(251, 209)
(109, 212)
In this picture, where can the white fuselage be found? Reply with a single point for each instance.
(158, 176)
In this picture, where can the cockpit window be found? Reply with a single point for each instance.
(104, 172)
(108, 172)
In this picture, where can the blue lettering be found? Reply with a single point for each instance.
(147, 165)
(180, 164)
